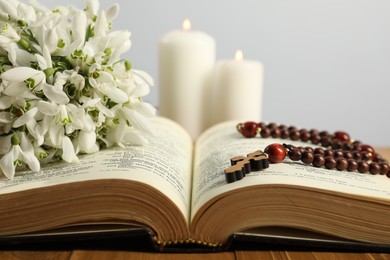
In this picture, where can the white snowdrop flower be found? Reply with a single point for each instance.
(79, 27)
(68, 151)
(19, 57)
(21, 151)
(8, 8)
(20, 74)
(13, 10)
(92, 7)
(87, 142)
(64, 87)
(8, 34)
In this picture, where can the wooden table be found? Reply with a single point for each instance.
(32, 254)
(239, 255)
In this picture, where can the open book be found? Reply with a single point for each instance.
(178, 190)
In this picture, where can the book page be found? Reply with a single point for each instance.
(164, 163)
(222, 142)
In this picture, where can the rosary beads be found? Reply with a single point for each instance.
(339, 151)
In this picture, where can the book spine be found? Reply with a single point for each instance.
(164, 245)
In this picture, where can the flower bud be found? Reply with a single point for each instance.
(49, 72)
(107, 51)
(24, 44)
(22, 24)
(127, 65)
(15, 139)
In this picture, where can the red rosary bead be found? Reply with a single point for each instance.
(276, 153)
(342, 136)
(249, 129)
(369, 149)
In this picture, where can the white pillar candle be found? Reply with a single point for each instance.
(238, 90)
(186, 62)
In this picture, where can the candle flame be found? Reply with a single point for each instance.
(186, 25)
(239, 55)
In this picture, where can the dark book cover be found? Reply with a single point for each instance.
(138, 238)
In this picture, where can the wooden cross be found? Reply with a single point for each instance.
(240, 165)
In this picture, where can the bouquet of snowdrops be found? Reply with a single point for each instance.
(64, 88)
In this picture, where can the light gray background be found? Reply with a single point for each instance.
(327, 62)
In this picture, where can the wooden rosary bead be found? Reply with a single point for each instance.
(249, 129)
(319, 161)
(282, 127)
(368, 148)
(357, 155)
(324, 133)
(292, 128)
(309, 149)
(272, 125)
(335, 144)
(325, 141)
(352, 165)
(366, 156)
(265, 132)
(307, 157)
(303, 130)
(295, 135)
(314, 132)
(347, 155)
(330, 163)
(356, 147)
(305, 136)
(276, 153)
(315, 139)
(295, 154)
(284, 133)
(319, 151)
(262, 125)
(342, 136)
(347, 146)
(385, 168)
(275, 133)
(329, 153)
(338, 154)
(342, 164)
(363, 167)
(375, 168)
